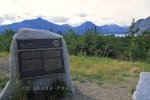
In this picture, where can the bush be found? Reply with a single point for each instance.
(58, 90)
(3, 81)
(148, 56)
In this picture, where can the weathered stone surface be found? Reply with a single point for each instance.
(13, 62)
(142, 91)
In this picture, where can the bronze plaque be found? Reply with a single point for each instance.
(40, 57)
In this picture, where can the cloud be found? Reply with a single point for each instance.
(14, 0)
(1, 21)
(76, 11)
(6, 18)
(60, 19)
(107, 18)
(82, 15)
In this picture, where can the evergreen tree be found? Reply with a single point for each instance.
(132, 29)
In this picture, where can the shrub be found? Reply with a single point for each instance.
(148, 56)
(58, 90)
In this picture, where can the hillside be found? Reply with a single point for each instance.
(40, 23)
(143, 25)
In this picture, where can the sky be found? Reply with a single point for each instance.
(75, 12)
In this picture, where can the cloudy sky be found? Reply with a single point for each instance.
(75, 12)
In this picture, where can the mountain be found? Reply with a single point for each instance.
(83, 27)
(112, 29)
(143, 25)
(43, 24)
(37, 23)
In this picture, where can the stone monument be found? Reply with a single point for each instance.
(142, 91)
(39, 57)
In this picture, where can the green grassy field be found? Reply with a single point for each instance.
(93, 69)
(106, 71)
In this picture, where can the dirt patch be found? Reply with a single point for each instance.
(104, 92)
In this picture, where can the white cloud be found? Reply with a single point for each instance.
(76, 11)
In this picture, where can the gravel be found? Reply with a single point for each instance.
(103, 92)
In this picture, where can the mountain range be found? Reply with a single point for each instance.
(43, 24)
(143, 25)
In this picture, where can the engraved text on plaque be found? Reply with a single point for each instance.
(40, 57)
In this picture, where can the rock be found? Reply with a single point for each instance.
(142, 91)
(14, 78)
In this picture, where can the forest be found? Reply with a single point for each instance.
(130, 47)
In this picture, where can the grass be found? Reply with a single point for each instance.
(3, 69)
(54, 93)
(3, 55)
(102, 70)
(3, 81)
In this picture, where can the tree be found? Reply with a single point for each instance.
(5, 40)
(146, 34)
(133, 29)
(71, 40)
